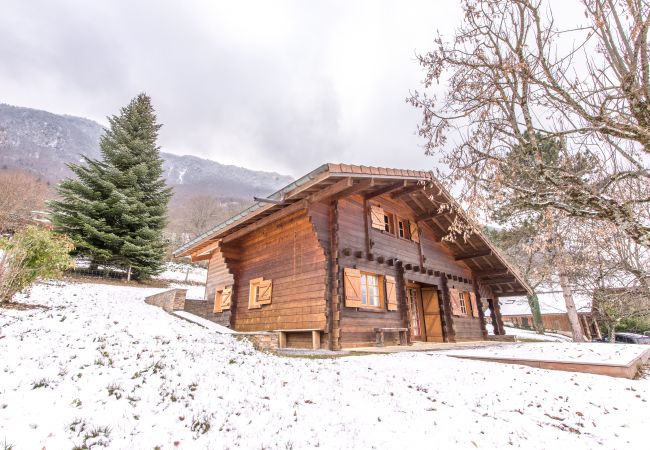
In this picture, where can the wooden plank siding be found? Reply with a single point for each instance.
(288, 253)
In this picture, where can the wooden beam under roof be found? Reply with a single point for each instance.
(386, 189)
(407, 190)
(431, 215)
(502, 280)
(472, 256)
(357, 186)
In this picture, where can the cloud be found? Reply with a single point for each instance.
(277, 85)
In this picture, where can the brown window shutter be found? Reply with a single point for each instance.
(391, 293)
(218, 299)
(377, 217)
(455, 302)
(352, 288)
(472, 297)
(415, 232)
(266, 290)
(226, 296)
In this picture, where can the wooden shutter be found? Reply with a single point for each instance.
(218, 299)
(391, 293)
(226, 295)
(455, 302)
(266, 289)
(352, 288)
(377, 217)
(415, 232)
(472, 298)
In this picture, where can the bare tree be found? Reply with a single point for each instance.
(517, 80)
(22, 193)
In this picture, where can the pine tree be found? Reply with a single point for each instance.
(115, 209)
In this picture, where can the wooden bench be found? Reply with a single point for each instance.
(379, 335)
(315, 336)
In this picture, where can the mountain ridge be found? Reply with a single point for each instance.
(44, 143)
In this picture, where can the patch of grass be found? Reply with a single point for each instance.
(76, 403)
(200, 424)
(114, 390)
(96, 437)
(43, 382)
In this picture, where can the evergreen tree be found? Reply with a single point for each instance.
(115, 209)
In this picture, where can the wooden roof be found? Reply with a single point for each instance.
(418, 189)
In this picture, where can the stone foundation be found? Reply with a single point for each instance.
(172, 300)
(265, 341)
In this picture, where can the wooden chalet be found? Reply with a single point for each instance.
(348, 256)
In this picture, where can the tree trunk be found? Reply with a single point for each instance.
(533, 302)
(571, 310)
(611, 329)
(128, 274)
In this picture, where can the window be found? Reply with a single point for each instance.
(403, 229)
(389, 222)
(370, 290)
(463, 305)
(260, 293)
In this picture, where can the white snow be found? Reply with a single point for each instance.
(183, 272)
(204, 322)
(100, 357)
(531, 335)
(586, 352)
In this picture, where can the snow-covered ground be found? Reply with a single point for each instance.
(531, 335)
(183, 273)
(102, 367)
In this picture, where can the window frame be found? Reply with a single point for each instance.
(461, 301)
(404, 229)
(389, 223)
(365, 289)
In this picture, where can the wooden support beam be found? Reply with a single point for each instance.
(406, 191)
(203, 257)
(380, 259)
(268, 200)
(208, 248)
(358, 254)
(386, 189)
(472, 256)
(431, 215)
(488, 273)
(502, 280)
(357, 186)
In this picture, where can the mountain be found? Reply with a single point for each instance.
(42, 143)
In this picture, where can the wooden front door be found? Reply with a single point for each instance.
(432, 320)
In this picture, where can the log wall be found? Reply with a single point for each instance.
(288, 253)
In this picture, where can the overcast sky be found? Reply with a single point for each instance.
(269, 85)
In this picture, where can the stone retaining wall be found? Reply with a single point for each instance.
(266, 341)
(204, 309)
(171, 300)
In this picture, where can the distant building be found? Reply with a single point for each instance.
(516, 312)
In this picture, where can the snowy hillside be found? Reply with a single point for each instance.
(43, 143)
(100, 367)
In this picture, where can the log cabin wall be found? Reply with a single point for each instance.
(288, 253)
(467, 327)
(219, 276)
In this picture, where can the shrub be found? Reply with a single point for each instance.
(32, 253)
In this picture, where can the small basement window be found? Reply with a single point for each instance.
(370, 290)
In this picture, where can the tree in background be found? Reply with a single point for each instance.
(115, 209)
(32, 253)
(22, 194)
(517, 80)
